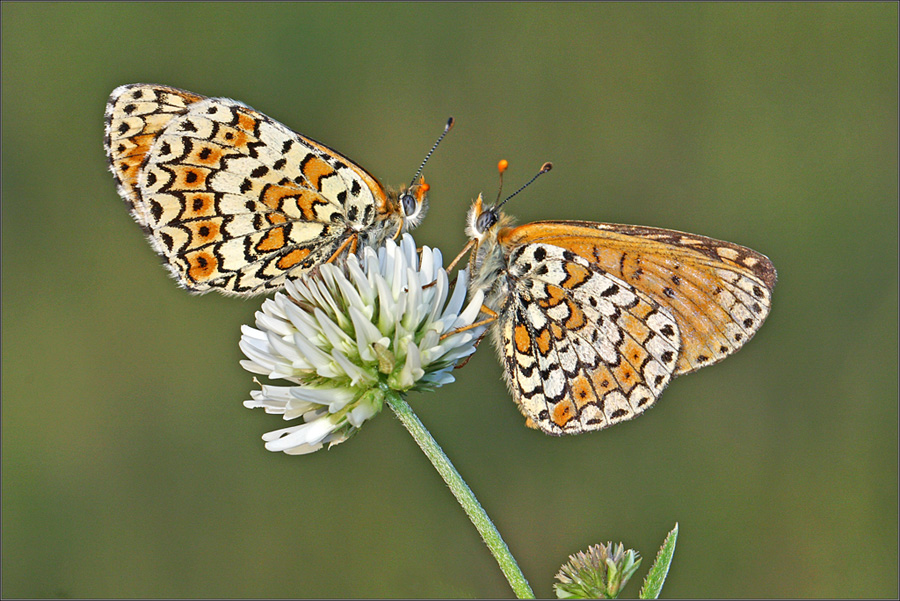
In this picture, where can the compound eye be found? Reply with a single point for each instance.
(408, 204)
(486, 220)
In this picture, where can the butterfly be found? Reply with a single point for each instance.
(593, 320)
(233, 200)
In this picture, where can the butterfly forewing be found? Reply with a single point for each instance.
(232, 199)
(719, 293)
(583, 349)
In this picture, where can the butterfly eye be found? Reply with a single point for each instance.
(486, 220)
(408, 203)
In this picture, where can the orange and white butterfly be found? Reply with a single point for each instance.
(235, 201)
(594, 319)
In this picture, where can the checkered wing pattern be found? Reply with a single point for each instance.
(583, 350)
(231, 199)
(718, 292)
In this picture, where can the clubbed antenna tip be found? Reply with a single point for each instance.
(544, 169)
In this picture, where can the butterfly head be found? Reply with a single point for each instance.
(412, 204)
(484, 225)
(483, 220)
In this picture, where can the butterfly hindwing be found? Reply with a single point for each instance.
(267, 204)
(135, 115)
(583, 350)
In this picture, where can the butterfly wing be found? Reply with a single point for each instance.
(232, 199)
(583, 350)
(135, 116)
(719, 293)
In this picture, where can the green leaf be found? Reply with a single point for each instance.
(653, 583)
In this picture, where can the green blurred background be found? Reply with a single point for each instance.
(130, 467)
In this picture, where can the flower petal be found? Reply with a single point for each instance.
(347, 328)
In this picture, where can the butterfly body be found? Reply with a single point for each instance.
(594, 319)
(235, 201)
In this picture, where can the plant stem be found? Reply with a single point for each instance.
(463, 494)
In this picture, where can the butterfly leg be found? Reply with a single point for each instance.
(477, 342)
(350, 241)
(399, 229)
(461, 254)
(452, 265)
(452, 283)
(492, 317)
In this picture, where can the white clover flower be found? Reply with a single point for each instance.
(352, 331)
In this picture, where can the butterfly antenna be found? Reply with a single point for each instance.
(544, 169)
(501, 167)
(430, 152)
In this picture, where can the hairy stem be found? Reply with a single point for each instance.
(463, 494)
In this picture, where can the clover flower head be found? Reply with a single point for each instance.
(349, 332)
(599, 573)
